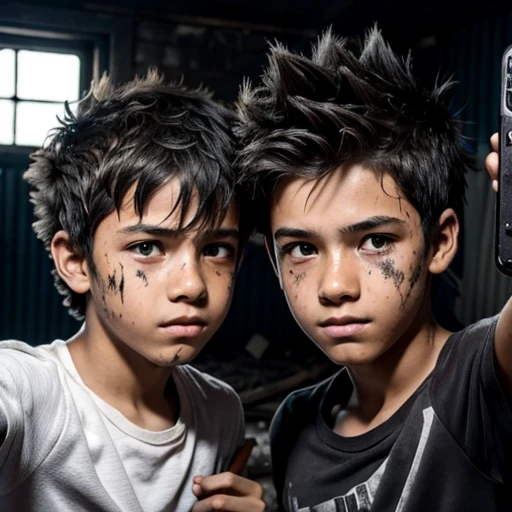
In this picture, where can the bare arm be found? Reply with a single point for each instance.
(503, 342)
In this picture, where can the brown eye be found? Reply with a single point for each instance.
(302, 250)
(378, 241)
(218, 251)
(146, 249)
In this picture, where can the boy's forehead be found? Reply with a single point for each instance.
(332, 185)
(354, 190)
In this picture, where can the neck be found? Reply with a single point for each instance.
(384, 385)
(142, 391)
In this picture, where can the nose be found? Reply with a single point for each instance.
(339, 281)
(186, 282)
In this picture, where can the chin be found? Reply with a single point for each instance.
(173, 356)
(350, 355)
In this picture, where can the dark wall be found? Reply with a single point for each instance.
(217, 57)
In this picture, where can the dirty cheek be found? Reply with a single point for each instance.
(142, 275)
(121, 284)
(231, 281)
(296, 277)
(107, 310)
(389, 271)
(115, 282)
(111, 286)
(396, 276)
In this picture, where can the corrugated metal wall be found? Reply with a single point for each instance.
(474, 56)
(30, 307)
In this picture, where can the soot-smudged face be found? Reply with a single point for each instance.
(160, 291)
(352, 262)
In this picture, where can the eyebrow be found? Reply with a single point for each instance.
(292, 233)
(370, 223)
(151, 229)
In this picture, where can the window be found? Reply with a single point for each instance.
(67, 48)
(35, 84)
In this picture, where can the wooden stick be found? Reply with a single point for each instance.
(242, 456)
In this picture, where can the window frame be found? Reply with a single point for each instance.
(83, 49)
(105, 41)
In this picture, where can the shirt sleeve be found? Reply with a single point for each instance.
(468, 398)
(31, 411)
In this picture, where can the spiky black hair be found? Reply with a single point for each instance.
(351, 104)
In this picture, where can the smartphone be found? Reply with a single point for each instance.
(503, 239)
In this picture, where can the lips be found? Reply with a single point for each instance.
(342, 327)
(184, 327)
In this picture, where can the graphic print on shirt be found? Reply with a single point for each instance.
(360, 498)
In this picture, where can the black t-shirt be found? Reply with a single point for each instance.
(447, 449)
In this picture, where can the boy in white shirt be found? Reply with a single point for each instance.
(136, 203)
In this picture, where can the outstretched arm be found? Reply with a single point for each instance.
(503, 342)
(228, 491)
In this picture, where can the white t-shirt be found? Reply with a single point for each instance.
(65, 449)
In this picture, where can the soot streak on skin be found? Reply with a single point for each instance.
(121, 284)
(177, 355)
(142, 275)
(299, 278)
(415, 276)
(106, 310)
(111, 285)
(389, 271)
(232, 280)
(109, 313)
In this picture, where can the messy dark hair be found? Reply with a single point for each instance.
(348, 104)
(141, 133)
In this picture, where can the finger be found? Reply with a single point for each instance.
(227, 503)
(242, 456)
(226, 483)
(494, 141)
(491, 164)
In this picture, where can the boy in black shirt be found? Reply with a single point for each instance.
(361, 177)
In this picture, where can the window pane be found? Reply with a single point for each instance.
(6, 121)
(48, 76)
(35, 120)
(7, 57)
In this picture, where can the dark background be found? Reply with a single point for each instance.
(216, 44)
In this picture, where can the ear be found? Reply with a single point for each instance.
(71, 266)
(269, 245)
(445, 242)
